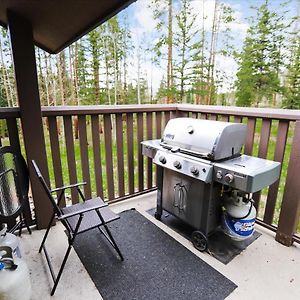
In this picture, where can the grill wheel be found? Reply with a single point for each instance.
(199, 241)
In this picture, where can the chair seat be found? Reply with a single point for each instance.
(88, 204)
(90, 219)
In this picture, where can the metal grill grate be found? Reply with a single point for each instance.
(10, 185)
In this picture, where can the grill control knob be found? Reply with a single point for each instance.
(219, 175)
(194, 171)
(162, 159)
(177, 164)
(190, 129)
(228, 178)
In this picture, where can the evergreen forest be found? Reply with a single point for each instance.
(184, 58)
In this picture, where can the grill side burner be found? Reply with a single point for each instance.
(197, 161)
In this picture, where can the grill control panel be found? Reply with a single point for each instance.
(190, 167)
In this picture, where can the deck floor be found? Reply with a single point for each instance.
(266, 269)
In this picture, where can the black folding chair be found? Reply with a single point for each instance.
(14, 186)
(77, 218)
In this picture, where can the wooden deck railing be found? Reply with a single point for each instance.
(107, 153)
(101, 145)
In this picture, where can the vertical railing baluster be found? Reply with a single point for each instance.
(158, 125)
(290, 208)
(149, 160)
(13, 134)
(129, 118)
(84, 155)
(97, 155)
(68, 131)
(282, 134)
(108, 156)
(167, 117)
(56, 157)
(263, 151)
(250, 135)
(158, 136)
(120, 154)
(238, 119)
(225, 118)
(140, 138)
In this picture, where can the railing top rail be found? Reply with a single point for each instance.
(269, 113)
(105, 109)
(9, 112)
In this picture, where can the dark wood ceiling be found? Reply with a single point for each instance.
(58, 23)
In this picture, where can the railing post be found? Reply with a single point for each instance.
(30, 109)
(290, 209)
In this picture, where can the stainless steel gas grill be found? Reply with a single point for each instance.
(200, 169)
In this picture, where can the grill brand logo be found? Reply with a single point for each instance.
(169, 136)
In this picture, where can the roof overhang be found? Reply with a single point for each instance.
(58, 23)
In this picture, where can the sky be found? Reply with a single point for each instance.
(142, 25)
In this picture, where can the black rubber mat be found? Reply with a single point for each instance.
(222, 247)
(156, 266)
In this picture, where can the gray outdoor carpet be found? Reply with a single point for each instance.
(222, 247)
(156, 266)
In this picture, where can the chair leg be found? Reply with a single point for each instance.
(46, 233)
(109, 234)
(113, 241)
(20, 225)
(61, 269)
(27, 226)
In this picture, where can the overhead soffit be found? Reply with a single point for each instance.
(58, 23)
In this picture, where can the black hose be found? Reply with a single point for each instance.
(251, 201)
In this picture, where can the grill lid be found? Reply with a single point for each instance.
(204, 138)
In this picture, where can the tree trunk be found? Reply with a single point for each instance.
(60, 80)
(5, 78)
(170, 54)
(71, 69)
(75, 66)
(46, 77)
(211, 55)
(107, 71)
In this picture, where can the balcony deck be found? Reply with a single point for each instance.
(266, 269)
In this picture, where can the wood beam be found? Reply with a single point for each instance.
(30, 110)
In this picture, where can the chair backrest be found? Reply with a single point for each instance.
(14, 183)
(46, 188)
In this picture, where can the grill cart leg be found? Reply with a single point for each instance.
(199, 240)
(159, 209)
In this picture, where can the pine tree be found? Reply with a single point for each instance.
(292, 89)
(114, 46)
(8, 73)
(127, 51)
(245, 84)
(261, 59)
(93, 39)
(81, 71)
(163, 14)
(207, 77)
(184, 45)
